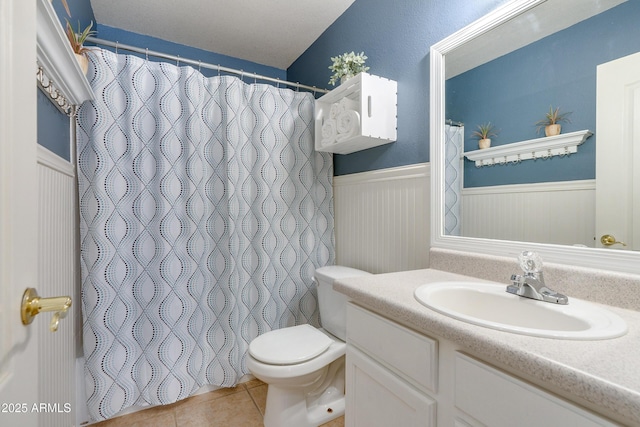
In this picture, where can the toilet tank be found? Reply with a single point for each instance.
(333, 305)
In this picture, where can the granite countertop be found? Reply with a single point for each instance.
(602, 375)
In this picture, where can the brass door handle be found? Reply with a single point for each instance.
(32, 304)
(608, 240)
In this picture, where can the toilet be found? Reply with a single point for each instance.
(303, 366)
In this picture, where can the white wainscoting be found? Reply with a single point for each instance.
(382, 219)
(552, 212)
(57, 277)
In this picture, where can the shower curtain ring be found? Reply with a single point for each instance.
(178, 61)
(297, 86)
(116, 47)
(147, 54)
(218, 70)
(199, 65)
(242, 75)
(277, 83)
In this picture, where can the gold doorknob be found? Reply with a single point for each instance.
(608, 240)
(32, 304)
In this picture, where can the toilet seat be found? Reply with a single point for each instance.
(289, 346)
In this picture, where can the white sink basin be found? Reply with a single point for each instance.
(489, 305)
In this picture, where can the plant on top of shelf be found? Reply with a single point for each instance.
(66, 7)
(346, 66)
(484, 133)
(77, 39)
(551, 122)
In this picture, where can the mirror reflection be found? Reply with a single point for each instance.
(548, 199)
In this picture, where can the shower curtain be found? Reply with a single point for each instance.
(454, 142)
(204, 211)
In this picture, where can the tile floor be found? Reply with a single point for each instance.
(240, 406)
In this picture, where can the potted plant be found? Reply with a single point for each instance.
(551, 122)
(77, 39)
(66, 7)
(484, 133)
(346, 66)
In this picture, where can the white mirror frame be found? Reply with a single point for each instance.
(607, 259)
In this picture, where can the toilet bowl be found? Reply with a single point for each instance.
(303, 366)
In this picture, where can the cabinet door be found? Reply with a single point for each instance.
(497, 399)
(378, 398)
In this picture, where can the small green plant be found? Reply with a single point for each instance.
(77, 39)
(347, 64)
(552, 117)
(485, 131)
(66, 7)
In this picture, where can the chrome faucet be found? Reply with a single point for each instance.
(531, 283)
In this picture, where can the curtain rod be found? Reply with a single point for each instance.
(201, 64)
(453, 123)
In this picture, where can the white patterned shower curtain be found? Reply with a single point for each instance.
(454, 143)
(204, 212)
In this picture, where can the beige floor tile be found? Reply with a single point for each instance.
(253, 383)
(338, 422)
(259, 396)
(236, 410)
(216, 394)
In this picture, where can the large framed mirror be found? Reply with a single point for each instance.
(497, 40)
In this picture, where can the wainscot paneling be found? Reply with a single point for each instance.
(382, 219)
(57, 277)
(552, 212)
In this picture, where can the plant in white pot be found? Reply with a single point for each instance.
(484, 133)
(346, 66)
(77, 39)
(552, 122)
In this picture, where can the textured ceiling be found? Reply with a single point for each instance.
(273, 33)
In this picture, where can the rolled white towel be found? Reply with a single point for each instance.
(347, 104)
(348, 124)
(329, 132)
(335, 110)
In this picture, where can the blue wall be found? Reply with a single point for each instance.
(514, 91)
(53, 127)
(396, 36)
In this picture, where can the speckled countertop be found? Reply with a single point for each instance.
(603, 376)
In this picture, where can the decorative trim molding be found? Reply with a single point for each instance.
(420, 170)
(60, 69)
(51, 160)
(539, 187)
(539, 148)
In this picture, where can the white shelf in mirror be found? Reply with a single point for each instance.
(61, 75)
(538, 148)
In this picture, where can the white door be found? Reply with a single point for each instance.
(618, 153)
(18, 213)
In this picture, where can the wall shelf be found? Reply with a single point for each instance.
(58, 71)
(373, 99)
(539, 148)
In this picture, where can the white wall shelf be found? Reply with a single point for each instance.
(374, 101)
(59, 73)
(539, 148)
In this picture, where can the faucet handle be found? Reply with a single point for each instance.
(530, 262)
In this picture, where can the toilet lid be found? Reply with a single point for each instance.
(288, 346)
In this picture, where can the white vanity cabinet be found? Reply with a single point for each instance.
(390, 372)
(485, 396)
(396, 377)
